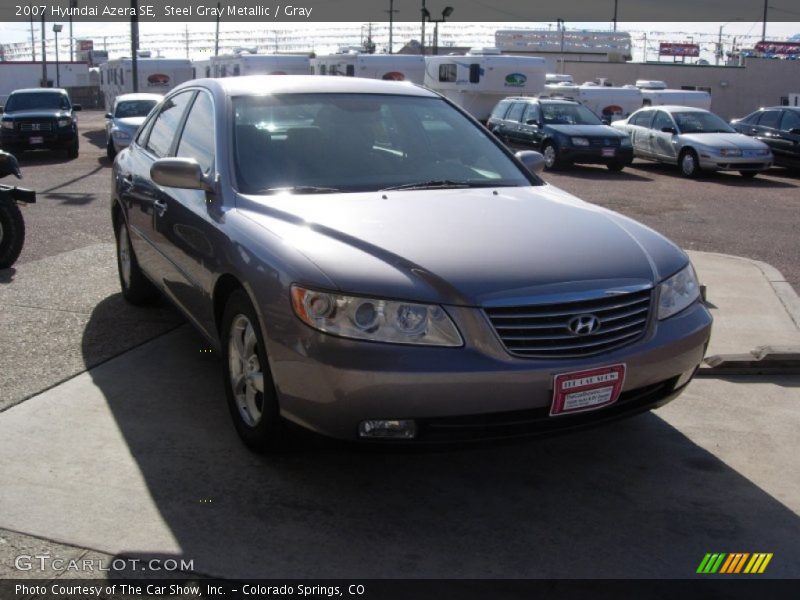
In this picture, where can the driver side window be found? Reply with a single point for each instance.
(662, 120)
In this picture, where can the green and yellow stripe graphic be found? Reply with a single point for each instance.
(734, 562)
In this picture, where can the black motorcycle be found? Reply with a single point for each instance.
(12, 227)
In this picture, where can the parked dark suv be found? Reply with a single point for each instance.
(779, 128)
(564, 131)
(39, 118)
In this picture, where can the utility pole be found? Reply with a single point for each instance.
(764, 26)
(216, 35)
(44, 56)
(391, 12)
(134, 45)
(615, 14)
(186, 38)
(33, 41)
(72, 4)
(422, 36)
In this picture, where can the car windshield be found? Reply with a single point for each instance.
(362, 142)
(36, 100)
(134, 108)
(568, 114)
(701, 122)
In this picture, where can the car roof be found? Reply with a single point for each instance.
(534, 99)
(41, 91)
(796, 108)
(670, 108)
(254, 85)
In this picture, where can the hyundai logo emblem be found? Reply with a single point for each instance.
(583, 324)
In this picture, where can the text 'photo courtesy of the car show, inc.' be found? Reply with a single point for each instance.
(399, 299)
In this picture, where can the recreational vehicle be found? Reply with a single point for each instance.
(476, 81)
(155, 76)
(243, 63)
(393, 67)
(608, 103)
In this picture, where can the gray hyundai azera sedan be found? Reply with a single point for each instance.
(373, 264)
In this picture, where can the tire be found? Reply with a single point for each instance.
(552, 161)
(72, 150)
(136, 287)
(748, 174)
(111, 152)
(616, 166)
(689, 164)
(12, 232)
(249, 387)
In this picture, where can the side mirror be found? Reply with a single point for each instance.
(109, 116)
(533, 122)
(9, 165)
(533, 161)
(184, 173)
(77, 107)
(671, 130)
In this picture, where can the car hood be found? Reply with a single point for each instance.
(129, 123)
(38, 114)
(722, 140)
(587, 130)
(466, 246)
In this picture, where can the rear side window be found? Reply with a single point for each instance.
(791, 120)
(515, 114)
(166, 124)
(531, 114)
(197, 139)
(642, 118)
(770, 118)
(500, 110)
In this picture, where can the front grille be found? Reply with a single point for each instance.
(542, 330)
(36, 126)
(604, 142)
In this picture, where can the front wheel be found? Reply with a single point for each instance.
(748, 174)
(689, 163)
(12, 232)
(551, 158)
(249, 388)
(72, 150)
(111, 152)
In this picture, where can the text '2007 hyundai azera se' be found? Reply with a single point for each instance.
(373, 264)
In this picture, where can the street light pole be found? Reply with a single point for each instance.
(56, 30)
(764, 26)
(561, 27)
(216, 34)
(615, 14)
(391, 12)
(135, 45)
(44, 56)
(424, 12)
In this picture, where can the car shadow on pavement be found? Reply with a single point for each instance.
(96, 137)
(42, 157)
(636, 498)
(733, 179)
(591, 172)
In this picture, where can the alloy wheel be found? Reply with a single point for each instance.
(246, 375)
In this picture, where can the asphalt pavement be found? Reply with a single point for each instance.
(116, 441)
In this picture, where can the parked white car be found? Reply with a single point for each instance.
(128, 112)
(695, 140)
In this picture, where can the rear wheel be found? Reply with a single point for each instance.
(12, 232)
(748, 174)
(136, 287)
(689, 164)
(249, 388)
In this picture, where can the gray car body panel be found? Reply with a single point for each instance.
(472, 249)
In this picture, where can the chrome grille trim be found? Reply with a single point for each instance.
(541, 331)
(29, 126)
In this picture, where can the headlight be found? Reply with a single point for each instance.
(580, 141)
(763, 152)
(64, 122)
(8, 124)
(374, 319)
(625, 142)
(730, 152)
(678, 292)
(121, 135)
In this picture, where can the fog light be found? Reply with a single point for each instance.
(394, 428)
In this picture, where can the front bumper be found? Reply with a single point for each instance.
(330, 384)
(61, 137)
(594, 154)
(711, 162)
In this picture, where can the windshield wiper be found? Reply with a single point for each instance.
(300, 189)
(438, 184)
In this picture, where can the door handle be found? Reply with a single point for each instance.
(160, 206)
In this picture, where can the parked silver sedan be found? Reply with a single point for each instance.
(373, 264)
(128, 113)
(695, 140)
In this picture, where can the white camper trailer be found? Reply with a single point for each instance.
(393, 67)
(155, 75)
(478, 80)
(243, 63)
(655, 93)
(557, 78)
(611, 103)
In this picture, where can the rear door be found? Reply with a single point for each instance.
(530, 133)
(639, 129)
(768, 129)
(787, 146)
(144, 200)
(512, 124)
(661, 142)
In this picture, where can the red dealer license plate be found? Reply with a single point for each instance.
(586, 390)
